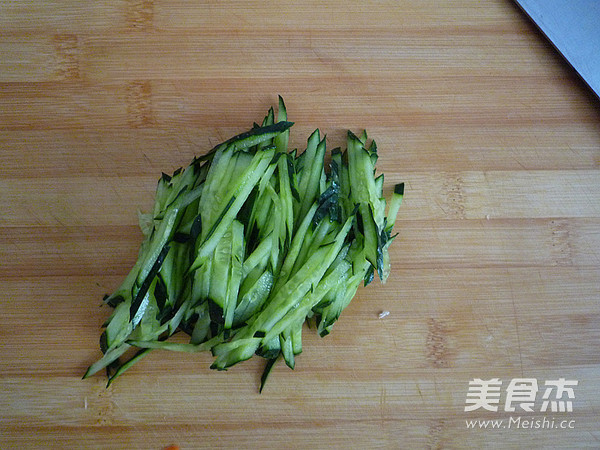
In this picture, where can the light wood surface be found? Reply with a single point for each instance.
(496, 271)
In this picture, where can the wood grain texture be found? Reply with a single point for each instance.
(496, 270)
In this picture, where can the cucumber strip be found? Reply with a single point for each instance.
(265, 181)
(310, 184)
(269, 349)
(361, 171)
(369, 275)
(301, 309)
(257, 256)
(201, 171)
(108, 358)
(362, 196)
(310, 245)
(297, 338)
(143, 303)
(253, 298)
(361, 166)
(172, 271)
(189, 217)
(118, 326)
(379, 187)
(395, 206)
(329, 204)
(345, 187)
(223, 189)
(214, 196)
(275, 227)
(373, 157)
(127, 365)
(123, 292)
(253, 277)
(268, 120)
(242, 161)
(230, 353)
(306, 159)
(261, 213)
(176, 346)
(299, 164)
(322, 179)
(220, 218)
(202, 326)
(332, 312)
(149, 326)
(298, 285)
(235, 274)
(248, 139)
(139, 303)
(281, 140)
(266, 372)
(373, 147)
(385, 265)
(274, 257)
(363, 137)
(286, 349)
(287, 202)
(250, 179)
(160, 195)
(201, 282)
(178, 316)
(295, 248)
(220, 268)
(165, 232)
(282, 110)
(183, 181)
(292, 178)
(146, 223)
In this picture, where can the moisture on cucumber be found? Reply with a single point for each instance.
(249, 242)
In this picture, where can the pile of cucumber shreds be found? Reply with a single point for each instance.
(246, 244)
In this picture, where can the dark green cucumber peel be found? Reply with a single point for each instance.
(246, 245)
(248, 139)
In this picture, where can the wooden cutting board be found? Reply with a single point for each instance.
(495, 270)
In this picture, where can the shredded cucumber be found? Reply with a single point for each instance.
(247, 243)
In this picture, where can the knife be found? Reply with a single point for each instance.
(573, 27)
